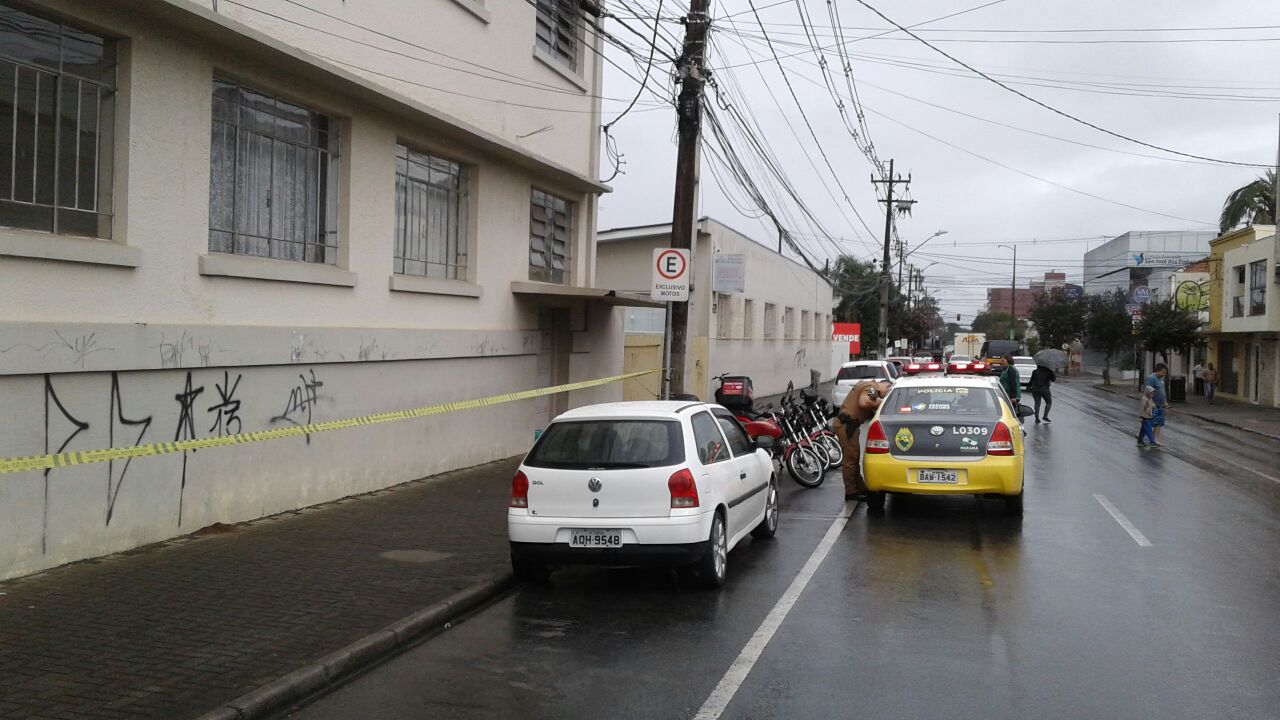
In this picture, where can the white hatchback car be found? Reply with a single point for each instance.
(640, 483)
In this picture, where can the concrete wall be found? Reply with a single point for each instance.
(149, 337)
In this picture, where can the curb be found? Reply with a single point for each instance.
(1193, 414)
(328, 669)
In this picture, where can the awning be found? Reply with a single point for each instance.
(569, 292)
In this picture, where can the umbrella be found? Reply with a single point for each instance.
(1051, 358)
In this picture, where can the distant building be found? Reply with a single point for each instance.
(1142, 259)
(1052, 279)
(1244, 314)
(1023, 301)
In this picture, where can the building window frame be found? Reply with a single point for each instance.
(544, 234)
(1237, 291)
(748, 319)
(770, 321)
(317, 156)
(1258, 287)
(73, 203)
(557, 34)
(434, 241)
(788, 323)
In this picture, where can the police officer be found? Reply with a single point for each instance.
(858, 407)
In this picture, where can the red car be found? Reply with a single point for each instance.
(922, 365)
(963, 365)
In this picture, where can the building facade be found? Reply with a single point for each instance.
(775, 325)
(1244, 314)
(1142, 259)
(220, 220)
(1023, 301)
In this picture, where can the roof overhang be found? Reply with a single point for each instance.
(553, 292)
(255, 46)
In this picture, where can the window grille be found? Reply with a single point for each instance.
(431, 216)
(57, 123)
(557, 31)
(273, 180)
(550, 235)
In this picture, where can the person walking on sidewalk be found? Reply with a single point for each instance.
(1010, 381)
(1210, 378)
(1041, 378)
(1155, 381)
(1146, 408)
(1197, 372)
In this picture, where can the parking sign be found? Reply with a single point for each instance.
(670, 275)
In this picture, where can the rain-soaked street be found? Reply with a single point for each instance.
(1138, 585)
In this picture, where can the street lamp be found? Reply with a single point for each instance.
(1013, 294)
(902, 259)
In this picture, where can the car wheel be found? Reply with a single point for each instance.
(527, 570)
(805, 467)
(1013, 504)
(768, 526)
(875, 501)
(710, 571)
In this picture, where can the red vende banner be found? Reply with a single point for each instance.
(850, 333)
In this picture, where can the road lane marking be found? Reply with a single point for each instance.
(1134, 532)
(741, 667)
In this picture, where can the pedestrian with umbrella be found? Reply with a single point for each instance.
(1039, 387)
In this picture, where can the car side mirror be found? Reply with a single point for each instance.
(764, 442)
(1025, 412)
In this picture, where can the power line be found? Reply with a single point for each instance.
(1045, 105)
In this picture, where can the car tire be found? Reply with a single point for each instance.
(768, 526)
(710, 570)
(527, 570)
(1013, 504)
(875, 502)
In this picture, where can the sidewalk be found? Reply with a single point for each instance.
(1245, 416)
(177, 629)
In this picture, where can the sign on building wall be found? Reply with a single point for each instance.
(850, 333)
(670, 275)
(729, 273)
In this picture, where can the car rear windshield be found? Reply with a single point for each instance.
(860, 372)
(1000, 348)
(957, 401)
(597, 444)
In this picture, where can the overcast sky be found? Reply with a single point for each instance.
(977, 202)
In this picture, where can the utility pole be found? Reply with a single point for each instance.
(688, 128)
(885, 278)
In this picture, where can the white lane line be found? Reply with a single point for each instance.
(1134, 532)
(741, 667)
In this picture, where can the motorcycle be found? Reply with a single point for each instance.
(793, 450)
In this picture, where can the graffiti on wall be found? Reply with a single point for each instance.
(220, 410)
(1192, 295)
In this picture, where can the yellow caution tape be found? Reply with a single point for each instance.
(84, 457)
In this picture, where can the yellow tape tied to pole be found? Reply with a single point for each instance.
(85, 457)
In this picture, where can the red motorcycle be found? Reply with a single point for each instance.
(793, 450)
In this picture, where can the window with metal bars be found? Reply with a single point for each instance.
(557, 31)
(57, 124)
(431, 216)
(273, 177)
(550, 237)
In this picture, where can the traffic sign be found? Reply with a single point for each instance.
(670, 275)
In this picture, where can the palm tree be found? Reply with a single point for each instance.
(1254, 203)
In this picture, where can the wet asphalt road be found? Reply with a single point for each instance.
(940, 608)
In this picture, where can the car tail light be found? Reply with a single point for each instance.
(1001, 442)
(961, 366)
(684, 491)
(520, 490)
(877, 443)
(933, 366)
(979, 366)
(913, 366)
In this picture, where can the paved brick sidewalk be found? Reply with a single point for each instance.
(172, 630)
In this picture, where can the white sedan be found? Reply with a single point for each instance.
(1025, 365)
(639, 483)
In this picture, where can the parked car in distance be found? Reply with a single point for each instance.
(901, 361)
(641, 483)
(852, 373)
(993, 352)
(964, 365)
(922, 365)
(1025, 365)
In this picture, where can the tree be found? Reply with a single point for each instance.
(995, 324)
(1058, 318)
(857, 284)
(1108, 327)
(1254, 204)
(1166, 327)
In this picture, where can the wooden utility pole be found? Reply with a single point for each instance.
(688, 128)
(885, 278)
